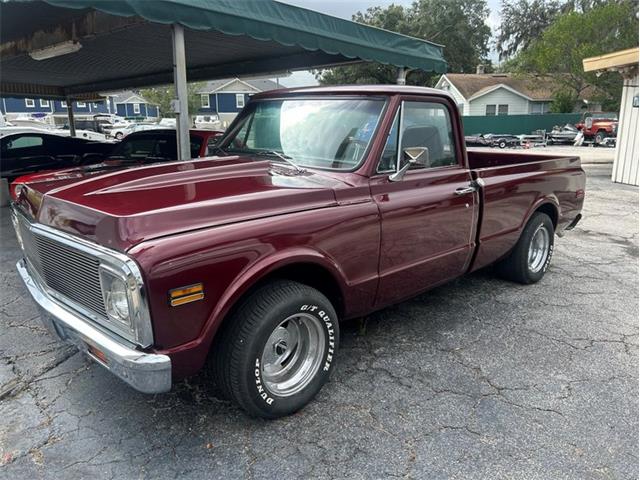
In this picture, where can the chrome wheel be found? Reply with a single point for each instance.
(539, 249)
(293, 354)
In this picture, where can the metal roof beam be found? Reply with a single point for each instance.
(8, 89)
(89, 25)
(261, 67)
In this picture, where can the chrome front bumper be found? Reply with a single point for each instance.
(146, 372)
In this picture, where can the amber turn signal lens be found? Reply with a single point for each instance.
(98, 354)
(182, 295)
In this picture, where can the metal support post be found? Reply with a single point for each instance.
(72, 122)
(402, 76)
(180, 83)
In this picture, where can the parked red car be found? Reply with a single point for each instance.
(597, 126)
(324, 204)
(145, 147)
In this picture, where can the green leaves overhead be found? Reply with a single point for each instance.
(457, 24)
(574, 36)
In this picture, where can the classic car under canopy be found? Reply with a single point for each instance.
(74, 49)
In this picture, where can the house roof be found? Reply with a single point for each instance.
(256, 84)
(532, 87)
(127, 96)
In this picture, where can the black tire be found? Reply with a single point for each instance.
(502, 144)
(238, 353)
(515, 266)
(119, 136)
(599, 138)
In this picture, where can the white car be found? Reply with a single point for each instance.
(11, 129)
(120, 132)
(119, 128)
(208, 122)
(167, 122)
(88, 134)
(64, 132)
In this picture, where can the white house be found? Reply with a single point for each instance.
(505, 94)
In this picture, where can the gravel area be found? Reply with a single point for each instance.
(479, 378)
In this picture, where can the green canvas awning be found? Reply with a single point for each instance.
(127, 43)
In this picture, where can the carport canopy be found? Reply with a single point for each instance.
(74, 49)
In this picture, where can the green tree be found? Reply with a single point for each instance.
(574, 36)
(460, 25)
(522, 22)
(162, 96)
(563, 102)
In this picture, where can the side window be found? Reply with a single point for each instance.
(25, 141)
(166, 148)
(135, 148)
(390, 153)
(261, 131)
(428, 126)
(195, 145)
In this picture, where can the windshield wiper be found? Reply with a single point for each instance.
(283, 157)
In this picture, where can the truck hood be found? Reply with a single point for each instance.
(121, 209)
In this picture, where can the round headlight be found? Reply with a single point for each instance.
(117, 302)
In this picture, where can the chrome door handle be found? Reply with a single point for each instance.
(465, 190)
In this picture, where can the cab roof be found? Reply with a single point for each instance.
(385, 90)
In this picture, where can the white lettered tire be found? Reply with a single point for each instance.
(530, 258)
(277, 350)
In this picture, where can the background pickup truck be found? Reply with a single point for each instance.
(323, 204)
(597, 126)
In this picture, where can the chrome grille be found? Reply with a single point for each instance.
(64, 269)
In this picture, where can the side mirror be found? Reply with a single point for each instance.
(417, 155)
(411, 156)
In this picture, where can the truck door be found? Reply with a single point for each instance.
(429, 214)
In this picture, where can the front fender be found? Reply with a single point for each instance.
(228, 260)
(257, 271)
(189, 358)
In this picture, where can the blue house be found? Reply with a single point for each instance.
(125, 104)
(227, 97)
(41, 106)
(130, 104)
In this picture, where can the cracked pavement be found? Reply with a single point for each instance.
(479, 378)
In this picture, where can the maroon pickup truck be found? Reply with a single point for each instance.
(322, 204)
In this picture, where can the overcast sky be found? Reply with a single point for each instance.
(345, 9)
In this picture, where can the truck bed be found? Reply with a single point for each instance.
(483, 158)
(516, 184)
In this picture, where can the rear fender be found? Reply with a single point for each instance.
(546, 200)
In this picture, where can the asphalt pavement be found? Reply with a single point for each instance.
(478, 379)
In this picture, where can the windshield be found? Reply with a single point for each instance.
(324, 133)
